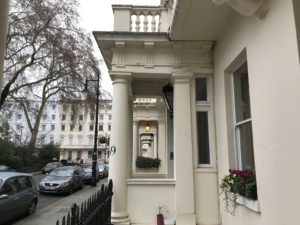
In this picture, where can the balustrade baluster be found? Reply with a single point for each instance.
(145, 22)
(138, 22)
(153, 22)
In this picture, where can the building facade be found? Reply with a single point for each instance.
(76, 131)
(71, 126)
(234, 67)
(14, 115)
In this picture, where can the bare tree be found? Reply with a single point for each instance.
(48, 55)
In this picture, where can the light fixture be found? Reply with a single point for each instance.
(167, 92)
(147, 127)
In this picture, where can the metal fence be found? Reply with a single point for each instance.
(94, 211)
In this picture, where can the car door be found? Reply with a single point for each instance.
(26, 193)
(10, 200)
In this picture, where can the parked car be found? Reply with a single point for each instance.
(5, 168)
(18, 195)
(51, 166)
(69, 162)
(88, 170)
(64, 179)
(103, 170)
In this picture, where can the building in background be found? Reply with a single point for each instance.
(76, 131)
(71, 126)
(19, 130)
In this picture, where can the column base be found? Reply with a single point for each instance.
(185, 219)
(120, 218)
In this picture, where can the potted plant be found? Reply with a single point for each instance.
(147, 162)
(238, 183)
(102, 140)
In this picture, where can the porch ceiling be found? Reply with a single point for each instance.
(200, 20)
(148, 87)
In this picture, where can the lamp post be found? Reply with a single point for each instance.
(93, 183)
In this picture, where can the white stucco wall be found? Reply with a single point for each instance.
(274, 79)
(145, 196)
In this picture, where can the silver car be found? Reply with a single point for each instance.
(18, 195)
(64, 179)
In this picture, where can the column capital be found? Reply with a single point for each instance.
(120, 77)
(182, 77)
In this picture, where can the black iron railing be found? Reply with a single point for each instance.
(94, 211)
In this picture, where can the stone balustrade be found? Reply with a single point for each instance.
(131, 18)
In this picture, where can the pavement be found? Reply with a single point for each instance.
(56, 211)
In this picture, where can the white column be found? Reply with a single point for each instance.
(120, 138)
(162, 147)
(184, 192)
(135, 146)
(4, 8)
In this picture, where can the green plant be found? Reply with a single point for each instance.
(238, 183)
(103, 140)
(147, 162)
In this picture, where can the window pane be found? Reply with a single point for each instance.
(203, 139)
(246, 146)
(241, 94)
(201, 89)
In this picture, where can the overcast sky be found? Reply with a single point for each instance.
(97, 15)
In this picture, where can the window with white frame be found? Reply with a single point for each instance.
(43, 138)
(243, 120)
(91, 127)
(79, 140)
(79, 155)
(69, 155)
(203, 105)
(52, 139)
(62, 140)
(91, 140)
(70, 140)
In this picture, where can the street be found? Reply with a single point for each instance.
(46, 200)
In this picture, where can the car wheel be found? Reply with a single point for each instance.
(32, 207)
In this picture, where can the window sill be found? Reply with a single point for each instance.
(254, 205)
(248, 203)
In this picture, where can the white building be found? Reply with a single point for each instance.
(14, 115)
(76, 131)
(234, 66)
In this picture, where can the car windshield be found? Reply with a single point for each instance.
(62, 173)
(101, 167)
(51, 165)
(87, 169)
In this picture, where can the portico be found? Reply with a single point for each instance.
(140, 64)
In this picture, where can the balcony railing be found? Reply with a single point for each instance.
(131, 18)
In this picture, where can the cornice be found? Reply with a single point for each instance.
(246, 7)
